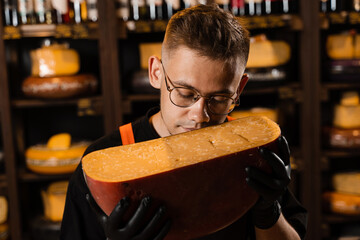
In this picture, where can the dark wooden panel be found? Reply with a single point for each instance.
(7, 135)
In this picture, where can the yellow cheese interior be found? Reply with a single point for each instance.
(3, 209)
(59, 141)
(266, 53)
(54, 60)
(164, 154)
(54, 200)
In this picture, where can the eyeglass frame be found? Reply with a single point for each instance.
(235, 102)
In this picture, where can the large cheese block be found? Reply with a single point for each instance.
(266, 53)
(199, 175)
(343, 46)
(342, 203)
(54, 200)
(347, 116)
(347, 182)
(54, 60)
(57, 156)
(342, 138)
(3, 209)
(59, 86)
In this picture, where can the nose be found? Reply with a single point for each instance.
(199, 112)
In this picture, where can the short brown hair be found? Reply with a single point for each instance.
(209, 31)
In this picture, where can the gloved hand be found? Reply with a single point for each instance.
(270, 187)
(116, 229)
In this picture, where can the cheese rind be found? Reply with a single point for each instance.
(142, 159)
(199, 175)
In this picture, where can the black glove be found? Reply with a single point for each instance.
(270, 187)
(116, 229)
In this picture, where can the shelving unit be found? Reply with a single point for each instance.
(301, 99)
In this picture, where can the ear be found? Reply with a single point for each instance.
(155, 73)
(242, 84)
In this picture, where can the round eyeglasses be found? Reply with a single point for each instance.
(185, 97)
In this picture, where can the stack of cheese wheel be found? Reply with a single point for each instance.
(3, 218)
(58, 156)
(346, 197)
(343, 50)
(54, 200)
(267, 58)
(54, 75)
(345, 132)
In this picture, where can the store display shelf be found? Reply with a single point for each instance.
(341, 153)
(341, 18)
(30, 103)
(290, 21)
(27, 176)
(77, 31)
(333, 218)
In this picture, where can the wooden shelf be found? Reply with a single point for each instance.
(28, 176)
(337, 218)
(333, 19)
(30, 103)
(344, 153)
(75, 31)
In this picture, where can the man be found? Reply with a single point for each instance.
(200, 77)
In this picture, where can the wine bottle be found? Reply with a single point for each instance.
(289, 6)
(324, 5)
(224, 4)
(139, 10)
(61, 8)
(10, 16)
(78, 11)
(92, 10)
(356, 5)
(253, 7)
(26, 12)
(238, 7)
(155, 9)
(172, 6)
(43, 11)
(123, 9)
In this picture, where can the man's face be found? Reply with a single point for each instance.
(186, 69)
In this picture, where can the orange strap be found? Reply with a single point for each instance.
(230, 118)
(127, 134)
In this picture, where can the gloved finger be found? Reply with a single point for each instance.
(102, 217)
(275, 162)
(284, 150)
(137, 219)
(116, 216)
(263, 191)
(148, 231)
(263, 178)
(164, 231)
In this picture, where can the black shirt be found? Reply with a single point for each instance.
(80, 223)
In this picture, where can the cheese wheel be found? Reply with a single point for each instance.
(348, 204)
(347, 182)
(256, 111)
(3, 209)
(59, 87)
(54, 200)
(266, 53)
(41, 159)
(54, 60)
(347, 116)
(200, 175)
(343, 138)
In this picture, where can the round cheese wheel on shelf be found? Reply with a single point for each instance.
(342, 203)
(60, 86)
(41, 159)
(3, 209)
